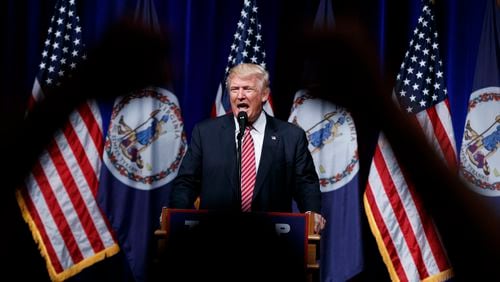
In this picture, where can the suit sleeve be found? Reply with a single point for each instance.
(187, 185)
(307, 193)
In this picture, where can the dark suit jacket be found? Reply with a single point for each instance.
(210, 170)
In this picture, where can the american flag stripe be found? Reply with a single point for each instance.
(59, 197)
(428, 239)
(83, 163)
(45, 202)
(448, 139)
(404, 240)
(91, 117)
(71, 172)
(31, 214)
(432, 253)
(382, 234)
(88, 154)
(407, 208)
(436, 123)
(432, 126)
(70, 198)
(377, 212)
(408, 202)
(78, 167)
(83, 170)
(36, 94)
(68, 208)
(218, 108)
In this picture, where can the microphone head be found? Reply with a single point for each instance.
(242, 117)
(242, 121)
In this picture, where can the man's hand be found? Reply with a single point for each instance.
(319, 221)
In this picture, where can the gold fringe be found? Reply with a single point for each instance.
(73, 270)
(442, 276)
(380, 241)
(77, 268)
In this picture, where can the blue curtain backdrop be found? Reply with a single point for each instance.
(200, 33)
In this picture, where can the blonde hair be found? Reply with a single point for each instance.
(247, 69)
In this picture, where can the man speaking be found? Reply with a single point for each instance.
(249, 161)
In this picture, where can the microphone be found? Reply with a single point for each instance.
(242, 122)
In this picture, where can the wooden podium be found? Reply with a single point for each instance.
(282, 236)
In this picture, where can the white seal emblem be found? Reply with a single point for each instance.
(146, 140)
(332, 139)
(479, 157)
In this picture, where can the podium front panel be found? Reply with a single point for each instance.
(252, 237)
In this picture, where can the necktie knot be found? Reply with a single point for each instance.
(247, 131)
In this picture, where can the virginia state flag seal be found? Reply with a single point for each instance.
(143, 124)
(331, 132)
(479, 156)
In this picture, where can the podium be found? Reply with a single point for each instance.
(272, 246)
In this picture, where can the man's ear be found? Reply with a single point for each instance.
(265, 95)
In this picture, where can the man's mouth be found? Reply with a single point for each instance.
(243, 106)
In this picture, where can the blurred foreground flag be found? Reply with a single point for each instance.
(247, 47)
(333, 144)
(58, 200)
(406, 235)
(479, 155)
(144, 146)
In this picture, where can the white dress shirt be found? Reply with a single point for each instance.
(257, 133)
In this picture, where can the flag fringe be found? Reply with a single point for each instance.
(380, 241)
(73, 270)
(442, 276)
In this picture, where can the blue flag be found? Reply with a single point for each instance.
(332, 137)
(479, 155)
(144, 147)
(333, 144)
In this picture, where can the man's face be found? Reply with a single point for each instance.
(247, 95)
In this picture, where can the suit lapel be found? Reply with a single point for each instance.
(271, 141)
(228, 151)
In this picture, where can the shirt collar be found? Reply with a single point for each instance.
(259, 125)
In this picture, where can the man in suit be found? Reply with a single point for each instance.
(284, 166)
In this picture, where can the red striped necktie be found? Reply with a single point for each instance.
(248, 171)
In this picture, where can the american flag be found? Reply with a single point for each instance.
(247, 47)
(58, 200)
(407, 238)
